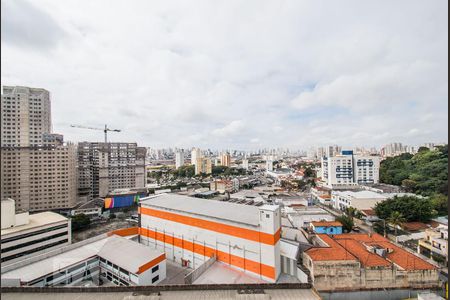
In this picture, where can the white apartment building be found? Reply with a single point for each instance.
(195, 154)
(245, 164)
(23, 235)
(348, 169)
(179, 159)
(269, 165)
(191, 230)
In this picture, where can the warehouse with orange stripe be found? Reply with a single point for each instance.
(191, 230)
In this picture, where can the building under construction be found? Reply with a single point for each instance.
(104, 167)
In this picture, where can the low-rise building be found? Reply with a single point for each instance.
(223, 185)
(327, 227)
(23, 235)
(101, 259)
(302, 217)
(435, 243)
(353, 261)
(360, 200)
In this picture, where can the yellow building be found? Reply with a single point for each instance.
(225, 159)
(203, 165)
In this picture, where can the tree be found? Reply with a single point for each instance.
(351, 212)
(396, 219)
(440, 203)
(412, 208)
(346, 221)
(80, 222)
(425, 173)
(309, 172)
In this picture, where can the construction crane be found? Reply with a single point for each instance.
(105, 130)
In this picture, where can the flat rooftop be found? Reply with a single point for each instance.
(245, 214)
(221, 273)
(127, 254)
(36, 220)
(361, 194)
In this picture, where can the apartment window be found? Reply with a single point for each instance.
(155, 268)
(155, 279)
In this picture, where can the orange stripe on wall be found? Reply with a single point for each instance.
(151, 263)
(246, 264)
(248, 234)
(125, 231)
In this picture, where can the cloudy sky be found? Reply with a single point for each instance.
(235, 74)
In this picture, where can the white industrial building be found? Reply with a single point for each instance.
(112, 259)
(348, 169)
(191, 230)
(23, 234)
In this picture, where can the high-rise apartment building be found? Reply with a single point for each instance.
(203, 165)
(348, 169)
(179, 159)
(245, 163)
(38, 170)
(225, 159)
(195, 153)
(104, 167)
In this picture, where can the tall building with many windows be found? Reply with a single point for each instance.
(349, 169)
(195, 153)
(179, 159)
(203, 165)
(225, 159)
(38, 170)
(104, 167)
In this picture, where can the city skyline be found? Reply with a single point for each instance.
(277, 76)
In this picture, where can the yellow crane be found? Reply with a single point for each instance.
(105, 130)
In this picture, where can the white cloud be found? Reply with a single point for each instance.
(298, 73)
(230, 129)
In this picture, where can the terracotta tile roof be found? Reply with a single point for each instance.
(344, 246)
(325, 196)
(359, 250)
(405, 259)
(434, 224)
(326, 223)
(334, 251)
(368, 212)
(414, 226)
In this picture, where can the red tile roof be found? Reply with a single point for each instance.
(343, 246)
(414, 226)
(333, 252)
(326, 223)
(368, 212)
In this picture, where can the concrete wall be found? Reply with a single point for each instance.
(335, 275)
(192, 276)
(8, 213)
